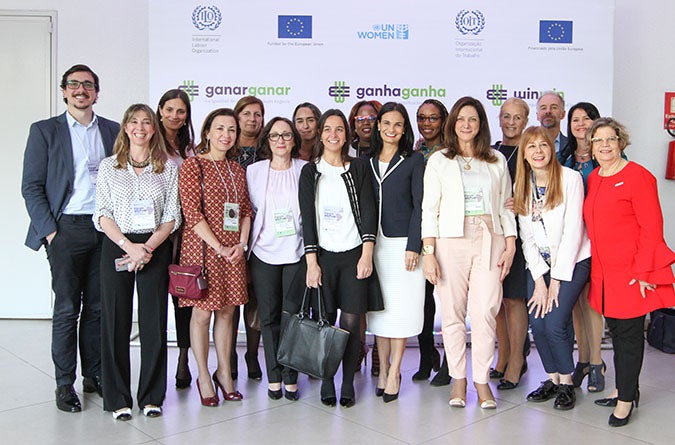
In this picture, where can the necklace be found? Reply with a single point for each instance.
(141, 164)
(582, 156)
(467, 164)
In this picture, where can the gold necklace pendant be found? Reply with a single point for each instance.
(467, 164)
(467, 167)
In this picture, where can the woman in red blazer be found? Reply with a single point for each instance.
(630, 272)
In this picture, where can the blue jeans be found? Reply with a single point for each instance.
(552, 333)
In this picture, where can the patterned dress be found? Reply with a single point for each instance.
(227, 282)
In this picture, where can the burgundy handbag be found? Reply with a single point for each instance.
(190, 281)
(187, 282)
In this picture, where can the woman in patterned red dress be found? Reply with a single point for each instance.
(220, 230)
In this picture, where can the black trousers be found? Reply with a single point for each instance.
(628, 341)
(182, 315)
(74, 257)
(117, 309)
(272, 284)
(425, 338)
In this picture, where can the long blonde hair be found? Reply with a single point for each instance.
(523, 184)
(158, 152)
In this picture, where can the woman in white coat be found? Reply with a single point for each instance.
(549, 199)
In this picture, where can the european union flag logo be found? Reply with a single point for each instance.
(555, 31)
(295, 27)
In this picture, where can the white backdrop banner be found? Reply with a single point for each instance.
(335, 54)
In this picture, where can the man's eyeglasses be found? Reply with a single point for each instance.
(431, 119)
(275, 136)
(75, 84)
(362, 119)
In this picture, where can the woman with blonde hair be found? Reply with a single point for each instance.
(137, 208)
(548, 199)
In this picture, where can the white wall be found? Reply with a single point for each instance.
(110, 37)
(113, 39)
(644, 68)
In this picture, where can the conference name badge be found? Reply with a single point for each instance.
(231, 217)
(143, 217)
(473, 201)
(284, 225)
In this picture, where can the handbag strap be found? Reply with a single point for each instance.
(201, 183)
(304, 309)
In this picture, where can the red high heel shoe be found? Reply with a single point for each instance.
(234, 396)
(207, 401)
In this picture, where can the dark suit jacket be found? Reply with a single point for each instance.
(400, 197)
(563, 142)
(49, 174)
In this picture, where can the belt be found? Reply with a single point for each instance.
(77, 218)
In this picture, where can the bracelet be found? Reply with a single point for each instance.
(148, 249)
(122, 241)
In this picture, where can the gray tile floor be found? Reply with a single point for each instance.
(421, 415)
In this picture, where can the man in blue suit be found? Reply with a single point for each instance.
(59, 183)
(550, 111)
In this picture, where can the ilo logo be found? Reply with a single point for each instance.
(470, 22)
(206, 17)
(339, 91)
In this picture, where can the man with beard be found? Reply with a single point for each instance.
(550, 111)
(59, 184)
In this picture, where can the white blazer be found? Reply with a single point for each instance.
(565, 231)
(443, 202)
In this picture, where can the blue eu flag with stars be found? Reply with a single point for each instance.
(555, 31)
(295, 27)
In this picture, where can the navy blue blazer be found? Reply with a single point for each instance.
(49, 174)
(398, 192)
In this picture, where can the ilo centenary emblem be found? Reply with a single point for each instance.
(470, 22)
(206, 17)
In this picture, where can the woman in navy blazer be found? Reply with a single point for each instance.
(275, 245)
(398, 174)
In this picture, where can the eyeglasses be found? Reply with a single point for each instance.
(275, 136)
(609, 140)
(431, 119)
(75, 84)
(362, 119)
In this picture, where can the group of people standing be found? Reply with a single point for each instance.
(353, 206)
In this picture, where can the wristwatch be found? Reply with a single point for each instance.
(428, 249)
(244, 246)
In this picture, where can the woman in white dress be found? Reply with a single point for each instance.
(398, 177)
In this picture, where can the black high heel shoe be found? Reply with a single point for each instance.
(347, 396)
(596, 377)
(183, 376)
(328, 393)
(391, 397)
(442, 378)
(254, 371)
(426, 366)
(580, 372)
(615, 421)
(608, 401)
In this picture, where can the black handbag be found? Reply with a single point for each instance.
(661, 330)
(309, 346)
